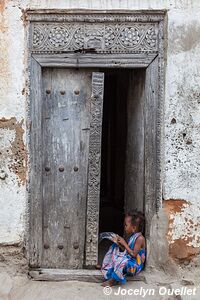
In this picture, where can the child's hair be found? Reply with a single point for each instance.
(137, 219)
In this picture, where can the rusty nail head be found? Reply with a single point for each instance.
(75, 169)
(76, 92)
(62, 92)
(47, 169)
(46, 246)
(61, 168)
(67, 226)
(76, 245)
(48, 91)
(60, 247)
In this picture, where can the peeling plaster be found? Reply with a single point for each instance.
(2, 5)
(183, 230)
(12, 185)
(182, 132)
(13, 149)
(5, 71)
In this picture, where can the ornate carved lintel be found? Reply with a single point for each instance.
(121, 34)
(95, 34)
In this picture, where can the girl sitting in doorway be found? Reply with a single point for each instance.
(126, 256)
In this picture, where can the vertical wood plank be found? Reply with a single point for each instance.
(35, 185)
(150, 148)
(134, 182)
(66, 122)
(94, 166)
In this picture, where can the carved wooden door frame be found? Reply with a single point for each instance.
(97, 39)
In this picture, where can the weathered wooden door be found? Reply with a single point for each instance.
(66, 122)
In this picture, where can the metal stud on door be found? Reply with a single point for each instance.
(65, 163)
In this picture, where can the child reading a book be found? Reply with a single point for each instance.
(125, 256)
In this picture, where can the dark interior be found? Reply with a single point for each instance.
(114, 140)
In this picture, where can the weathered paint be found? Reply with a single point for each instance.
(184, 227)
(16, 150)
(182, 121)
(181, 169)
(12, 182)
(12, 113)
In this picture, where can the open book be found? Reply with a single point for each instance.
(108, 235)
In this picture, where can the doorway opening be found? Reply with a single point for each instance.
(122, 153)
(138, 77)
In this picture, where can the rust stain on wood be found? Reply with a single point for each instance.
(18, 152)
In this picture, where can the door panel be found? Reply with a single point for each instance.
(65, 130)
(94, 170)
(134, 171)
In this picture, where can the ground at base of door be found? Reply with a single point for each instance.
(156, 286)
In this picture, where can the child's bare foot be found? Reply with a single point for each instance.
(98, 267)
(109, 282)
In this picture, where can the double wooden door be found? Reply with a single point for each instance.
(70, 125)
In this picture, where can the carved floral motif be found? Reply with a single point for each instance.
(102, 33)
(125, 37)
(58, 37)
(94, 169)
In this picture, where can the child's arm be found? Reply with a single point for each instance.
(137, 247)
(115, 240)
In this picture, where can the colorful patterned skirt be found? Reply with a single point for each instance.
(118, 265)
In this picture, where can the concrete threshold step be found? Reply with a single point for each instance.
(73, 274)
